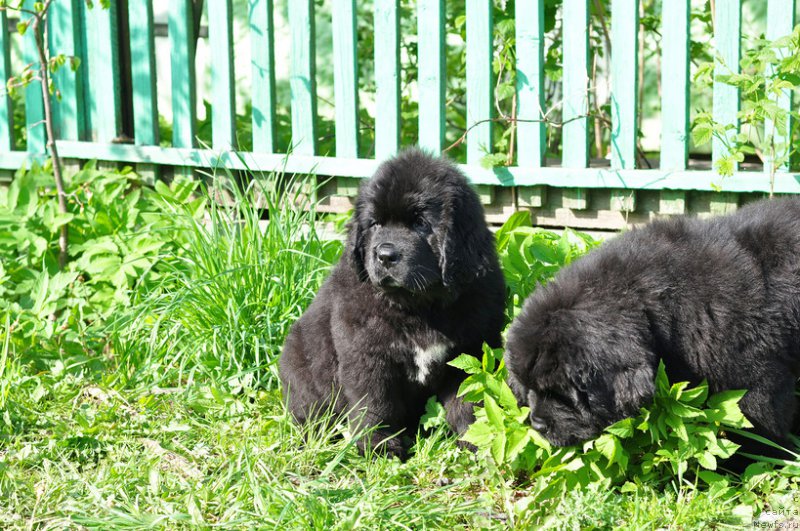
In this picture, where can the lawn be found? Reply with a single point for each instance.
(138, 388)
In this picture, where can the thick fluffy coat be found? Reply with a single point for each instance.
(419, 284)
(716, 299)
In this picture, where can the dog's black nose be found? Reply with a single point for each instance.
(388, 254)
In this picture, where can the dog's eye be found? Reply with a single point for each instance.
(558, 397)
(371, 223)
(421, 224)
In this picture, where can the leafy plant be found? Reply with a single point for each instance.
(768, 71)
(120, 230)
(682, 431)
(531, 256)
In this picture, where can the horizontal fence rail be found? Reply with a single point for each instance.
(108, 108)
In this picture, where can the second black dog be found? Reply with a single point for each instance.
(716, 300)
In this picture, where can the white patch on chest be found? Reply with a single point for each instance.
(426, 358)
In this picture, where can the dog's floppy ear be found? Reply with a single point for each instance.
(354, 248)
(634, 388)
(467, 245)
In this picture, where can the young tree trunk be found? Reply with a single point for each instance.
(38, 34)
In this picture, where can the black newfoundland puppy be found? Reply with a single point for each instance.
(419, 284)
(716, 299)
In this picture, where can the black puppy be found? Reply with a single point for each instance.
(716, 299)
(419, 284)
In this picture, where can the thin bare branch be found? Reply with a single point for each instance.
(39, 28)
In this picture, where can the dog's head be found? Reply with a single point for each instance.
(579, 367)
(419, 228)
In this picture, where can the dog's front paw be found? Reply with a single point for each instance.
(385, 444)
(464, 445)
(393, 447)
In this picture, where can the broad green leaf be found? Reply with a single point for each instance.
(682, 410)
(623, 428)
(498, 447)
(677, 425)
(494, 414)
(702, 134)
(607, 445)
(518, 438)
(726, 399)
(707, 460)
(481, 434)
(467, 363)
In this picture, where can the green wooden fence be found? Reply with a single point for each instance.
(90, 108)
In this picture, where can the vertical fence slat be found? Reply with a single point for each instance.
(220, 42)
(479, 79)
(302, 81)
(345, 78)
(780, 22)
(102, 49)
(530, 77)
(431, 65)
(6, 111)
(34, 107)
(143, 72)
(675, 84)
(63, 21)
(184, 96)
(575, 84)
(624, 69)
(262, 41)
(727, 36)
(387, 77)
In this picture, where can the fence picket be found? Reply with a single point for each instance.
(184, 95)
(34, 107)
(220, 42)
(303, 84)
(103, 54)
(143, 72)
(575, 90)
(624, 94)
(6, 111)
(345, 78)
(262, 42)
(780, 22)
(387, 77)
(529, 16)
(727, 37)
(675, 84)
(480, 47)
(431, 68)
(576, 84)
(63, 23)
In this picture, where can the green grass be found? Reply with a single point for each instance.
(223, 305)
(171, 416)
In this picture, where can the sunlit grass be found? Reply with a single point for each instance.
(178, 422)
(225, 303)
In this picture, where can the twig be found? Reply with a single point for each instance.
(510, 120)
(38, 34)
(18, 10)
(512, 135)
(598, 134)
(640, 73)
(639, 150)
(599, 10)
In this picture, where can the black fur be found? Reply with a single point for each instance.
(716, 299)
(420, 269)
